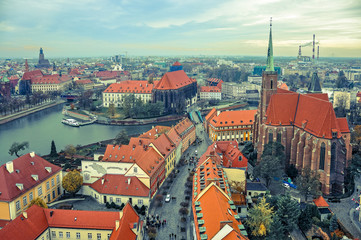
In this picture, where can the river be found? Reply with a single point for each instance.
(40, 128)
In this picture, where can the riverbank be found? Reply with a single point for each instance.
(23, 113)
(132, 122)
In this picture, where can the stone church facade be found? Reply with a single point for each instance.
(306, 125)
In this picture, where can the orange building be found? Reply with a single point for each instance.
(187, 132)
(230, 125)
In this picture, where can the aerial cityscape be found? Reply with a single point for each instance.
(180, 120)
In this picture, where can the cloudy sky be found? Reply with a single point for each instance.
(75, 28)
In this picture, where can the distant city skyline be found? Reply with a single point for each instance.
(89, 28)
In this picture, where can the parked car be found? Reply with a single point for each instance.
(286, 185)
(167, 198)
(334, 199)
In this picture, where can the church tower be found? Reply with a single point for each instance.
(269, 80)
(41, 55)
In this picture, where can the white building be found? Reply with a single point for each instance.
(210, 92)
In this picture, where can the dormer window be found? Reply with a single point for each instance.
(48, 169)
(35, 177)
(20, 186)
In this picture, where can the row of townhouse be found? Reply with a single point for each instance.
(134, 172)
(37, 223)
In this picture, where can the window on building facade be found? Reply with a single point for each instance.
(53, 234)
(119, 200)
(322, 156)
(279, 135)
(67, 234)
(270, 136)
(30, 196)
(17, 205)
(99, 236)
(60, 234)
(78, 235)
(90, 235)
(57, 179)
(108, 236)
(111, 199)
(47, 185)
(333, 157)
(40, 191)
(135, 169)
(25, 200)
(140, 201)
(52, 182)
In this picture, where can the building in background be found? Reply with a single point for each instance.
(210, 93)
(42, 62)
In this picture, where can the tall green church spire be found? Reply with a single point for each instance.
(270, 66)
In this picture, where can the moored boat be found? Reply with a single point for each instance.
(71, 122)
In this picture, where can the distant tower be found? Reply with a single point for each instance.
(315, 85)
(67, 60)
(318, 52)
(41, 55)
(313, 48)
(269, 79)
(299, 52)
(26, 65)
(54, 67)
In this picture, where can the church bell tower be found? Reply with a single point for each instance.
(269, 80)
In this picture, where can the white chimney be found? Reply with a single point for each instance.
(10, 166)
(116, 225)
(25, 214)
(32, 154)
(102, 181)
(218, 112)
(128, 181)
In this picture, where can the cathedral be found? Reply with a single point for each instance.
(42, 63)
(306, 125)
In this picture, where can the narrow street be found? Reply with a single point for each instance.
(170, 210)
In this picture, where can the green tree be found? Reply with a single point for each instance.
(341, 81)
(305, 219)
(121, 138)
(292, 171)
(38, 201)
(53, 152)
(308, 183)
(72, 182)
(260, 218)
(16, 147)
(272, 162)
(288, 211)
(333, 223)
(70, 150)
(277, 229)
(111, 109)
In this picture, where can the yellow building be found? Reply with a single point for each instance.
(24, 179)
(231, 125)
(44, 224)
(50, 83)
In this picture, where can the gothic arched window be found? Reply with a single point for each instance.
(322, 156)
(279, 136)
(333, 157)
(271, 84)
(270, 136)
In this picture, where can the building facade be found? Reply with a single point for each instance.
(116, 92)
(210, 93)
(187, 131)
(306, 125)
(50, 83)
(231, 125)
(24, 179)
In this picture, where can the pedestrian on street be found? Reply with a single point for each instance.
(175, 236)
(170, 236)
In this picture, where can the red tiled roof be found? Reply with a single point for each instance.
(3, 223)
(26, 228)
(320, 202)
(210, 114)
(46, 79)
(13, 77)
(32, 74)
(210, 89)
(234, 118)
(177, 64)
(74, 72)
(163, 145)
(84, 81)
(174, 137)
(129, 221)
(343, 125)
(108, 74)
(216, 209)
(39, 219)
(308, 111)
(23, 169)
(130, 86)
(115, 184)
(155, 132)
(214, 80)
(136, 152)
(183, 125)
(284, 86)
(173, 80)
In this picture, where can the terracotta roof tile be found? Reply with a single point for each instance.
(210, 114)
(32, 74)
(183, 125)
(24, 167)
(155, 132)
(173, 80)
(234, 118)
(130, 86)
(343, 125)
(320, 202)
(116, 184)
(174, 137)
(130, 220)
(210, 89)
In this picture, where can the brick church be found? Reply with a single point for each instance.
(306, 125)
